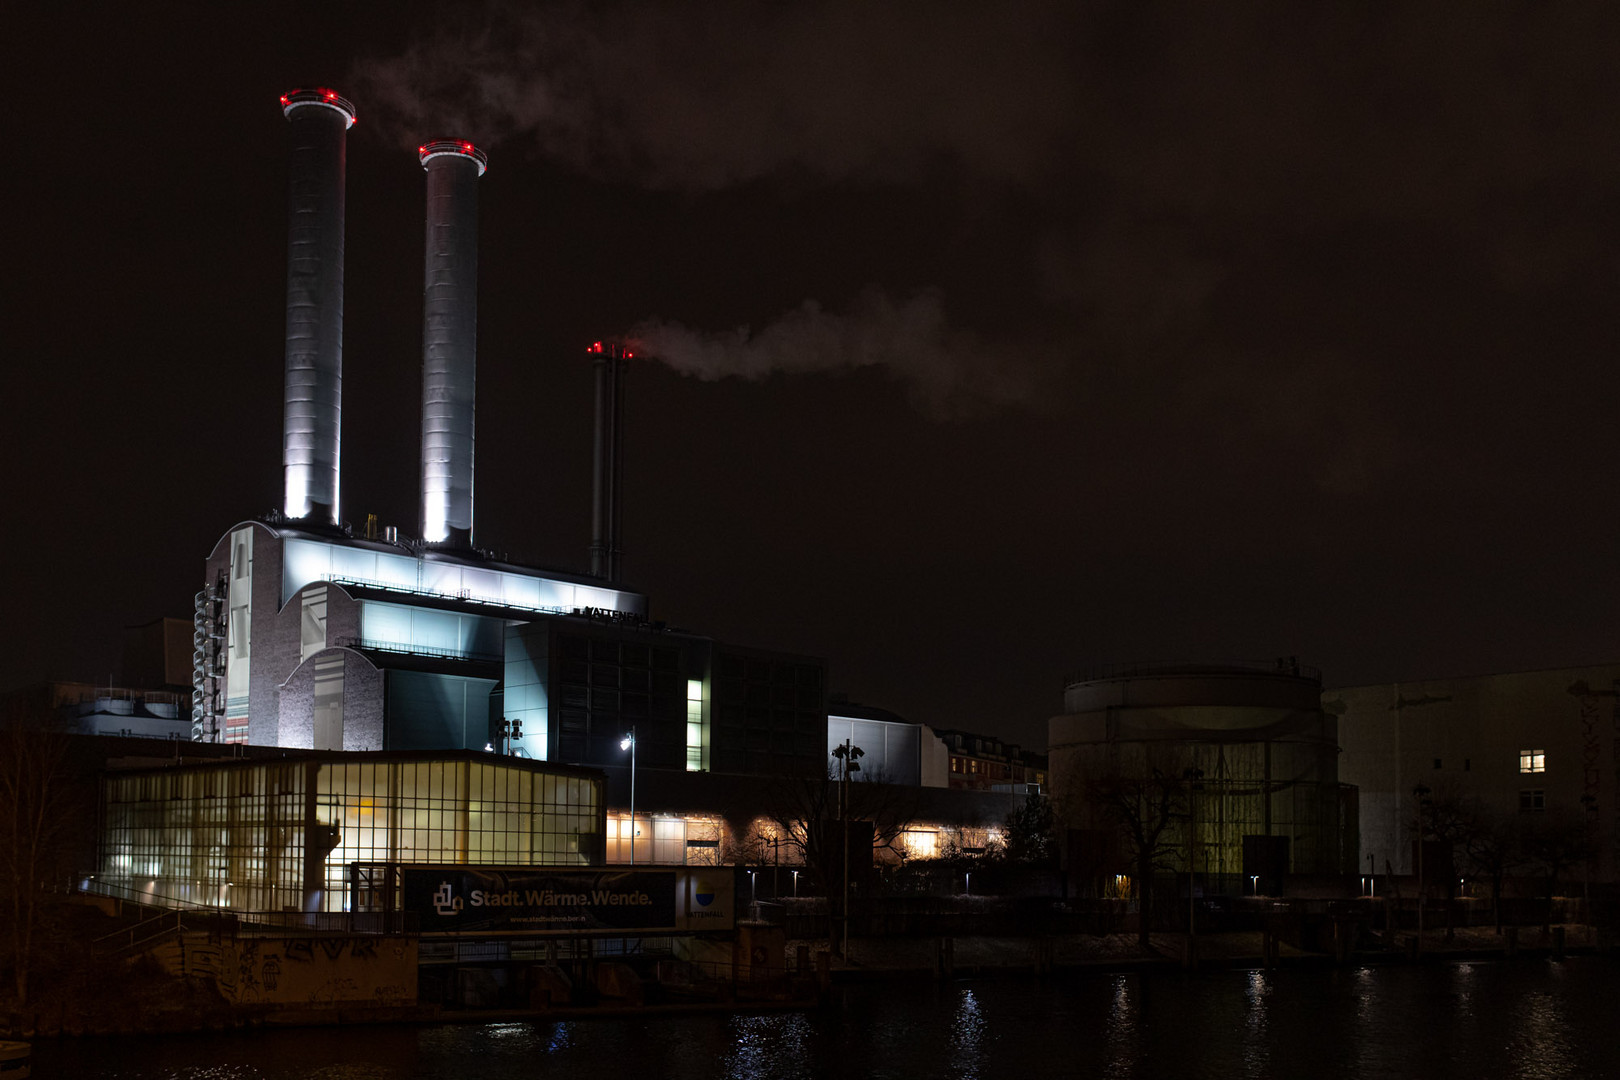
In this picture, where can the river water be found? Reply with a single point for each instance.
(1523, 1018)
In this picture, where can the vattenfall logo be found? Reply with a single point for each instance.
(445, 901)
(703, 891)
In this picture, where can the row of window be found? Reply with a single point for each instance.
(1530, 761)
(996, 770)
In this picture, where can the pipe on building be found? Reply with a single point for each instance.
(449, 338)
(312, 427)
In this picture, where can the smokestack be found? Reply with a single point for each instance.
(449, 338)
(606, 507)
(311, 432)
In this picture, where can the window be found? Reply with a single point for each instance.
(1437, 763)
(694, 725)
(1532, 761)
(1532, 800)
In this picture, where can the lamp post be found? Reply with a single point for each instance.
(1421, 793)
(846, 753)
(1193, 775)
(629, 743)
(1589, 801)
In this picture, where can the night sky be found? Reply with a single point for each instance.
(1002, 340)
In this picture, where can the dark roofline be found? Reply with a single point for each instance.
(852, 711)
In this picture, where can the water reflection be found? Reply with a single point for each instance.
(1482, 1021)
(1122, 1033)
(769, 1047)
(1542, 1044)
(967, 1040)
(1257, 1039)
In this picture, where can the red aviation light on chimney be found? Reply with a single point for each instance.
(454, 148)
(595, 348)
(600, 348)
(320, 95)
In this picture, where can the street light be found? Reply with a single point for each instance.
(629, 743)
(1590, 802)
(846, 753)
(1193, 775)
(1421, 793)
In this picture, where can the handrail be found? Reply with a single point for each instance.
(1145, 668)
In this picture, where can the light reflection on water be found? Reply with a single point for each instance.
(1527, 1018)
(968, 1039)
(1123, 1047)
(1256, 1040)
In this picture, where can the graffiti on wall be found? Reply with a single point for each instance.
(318, 972)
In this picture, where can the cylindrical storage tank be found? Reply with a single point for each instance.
(312, 428)
(449, 338)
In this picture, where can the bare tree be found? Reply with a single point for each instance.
(1553, 843)
(798, 807)
(1138, 800)
(39, 815)
(1492, 850)
(1028, 830)
(1444, 819)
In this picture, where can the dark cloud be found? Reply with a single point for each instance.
(1168, 156)
(717, 94)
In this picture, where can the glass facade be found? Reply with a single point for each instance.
(252, 836)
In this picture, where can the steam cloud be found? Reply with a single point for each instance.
(950, 372)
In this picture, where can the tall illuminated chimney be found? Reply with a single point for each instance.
(312, 427)
(449, 338)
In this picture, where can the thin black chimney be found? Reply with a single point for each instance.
(607, 519)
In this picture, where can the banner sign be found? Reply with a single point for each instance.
(464, 899)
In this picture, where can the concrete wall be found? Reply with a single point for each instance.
(302, 972)
(363, 704)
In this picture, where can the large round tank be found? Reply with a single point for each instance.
(1245, 748)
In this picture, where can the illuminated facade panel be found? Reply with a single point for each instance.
(318, 560)
(239, 635)
(429, 631)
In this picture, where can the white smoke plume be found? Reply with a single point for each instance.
(949, 372)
